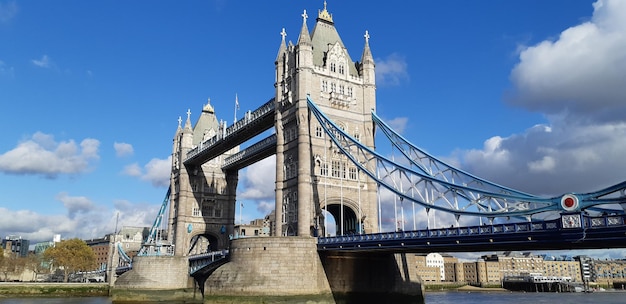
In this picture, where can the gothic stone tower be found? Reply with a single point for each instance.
(202, 199)
(310, 175)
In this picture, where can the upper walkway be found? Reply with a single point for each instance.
(254, 123)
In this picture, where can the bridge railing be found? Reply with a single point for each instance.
(271, 140)
(587, 222)
(199, 261)
(250, 117)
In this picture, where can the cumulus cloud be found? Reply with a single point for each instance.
(84, 219)
(123, 149)
(578, 82)
(398, 124)
(553, 160)
(582, 73)
(75, 204)
(44, 62)
(391, 71)
(8, 11)
(258, 180)
(156, 171)
(41, 154)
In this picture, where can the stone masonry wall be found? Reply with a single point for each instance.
(156, 272)
(270, 266)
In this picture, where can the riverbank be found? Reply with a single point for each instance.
(53, 289)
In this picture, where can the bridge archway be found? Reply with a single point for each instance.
(202, 243)
(344, 215)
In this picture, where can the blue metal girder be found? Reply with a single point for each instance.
(436, 168)
(444, 192)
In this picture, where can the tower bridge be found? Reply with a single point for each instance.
(323, 123)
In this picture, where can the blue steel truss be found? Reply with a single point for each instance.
(433, 184)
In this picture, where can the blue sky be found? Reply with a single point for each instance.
(529, 94)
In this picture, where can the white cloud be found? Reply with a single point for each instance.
(156, 171)
(391, 71)
(132, 170)
(553, 161)
(265, 207)
(41, 154)
(259, 180)
(578, 82)
(44, 62)
(75, 204)
(83, 219)
(580, 74)
(8, 11)
(123, 149)
(398, 124)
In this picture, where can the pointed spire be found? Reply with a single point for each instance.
(304, 32)
(188, 122)
(283, 44)
(367, 57)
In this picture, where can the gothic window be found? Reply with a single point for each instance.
(333, 87)
(341, 89)
(319, 132)
(357, 136)
(336, 168)
(341, 69)
(333, 67)
(352, 173)
(324, 169)
(195, 211)
(324, 85)
(350, 91)
(210, 208)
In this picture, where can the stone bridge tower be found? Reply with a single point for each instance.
(202, 199)
(311, 175)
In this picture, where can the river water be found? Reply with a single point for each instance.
(431, 298)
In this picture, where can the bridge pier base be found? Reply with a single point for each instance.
(156, 278)
(270, 267)
(366, 277)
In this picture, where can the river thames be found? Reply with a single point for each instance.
(431, 298)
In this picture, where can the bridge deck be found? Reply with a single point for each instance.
(594, 233)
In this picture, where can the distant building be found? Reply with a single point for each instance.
(15, 245)
(482, 272)
(515, 264)
(453, 269)
(562, 266)
(609, 271)
(102, 248)
(258, 227)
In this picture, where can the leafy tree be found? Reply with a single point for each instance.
(36, 263)
(11, 264)
(72, 256)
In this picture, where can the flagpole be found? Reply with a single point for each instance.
(236, 108)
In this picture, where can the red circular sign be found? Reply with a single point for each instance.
(569, 202)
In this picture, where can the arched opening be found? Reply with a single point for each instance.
(349, 224)
(202, 243)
